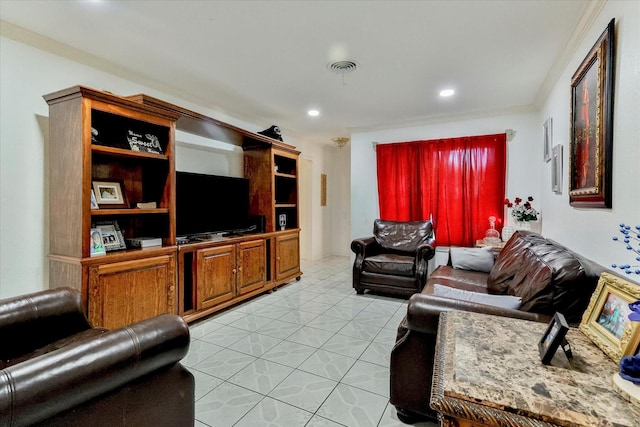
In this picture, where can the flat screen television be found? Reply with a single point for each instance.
(210, 204)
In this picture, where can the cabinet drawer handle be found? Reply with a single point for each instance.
(234, 271)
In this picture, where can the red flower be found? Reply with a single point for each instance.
(509, 205)
(517, 200)
(506, 201)
(530, 199)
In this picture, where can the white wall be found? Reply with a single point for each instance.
(590, 230)
(587, 231)
(27, 73)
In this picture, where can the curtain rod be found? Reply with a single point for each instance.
(509, 132)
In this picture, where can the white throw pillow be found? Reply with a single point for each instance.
(502, 301)
(476, 259)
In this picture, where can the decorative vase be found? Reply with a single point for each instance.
(507, 232)
(524, 225)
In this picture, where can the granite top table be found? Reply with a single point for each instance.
(488, 372)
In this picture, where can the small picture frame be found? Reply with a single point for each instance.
(282, 219)
(112, 237)
(552, 338)
(109, 194)
(94, 202)
(606, 319)
(96, 245)
(556, 169)
(547, 127)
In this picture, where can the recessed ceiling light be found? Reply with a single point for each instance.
(313, 113)
(447, 92)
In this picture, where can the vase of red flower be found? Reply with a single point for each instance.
(526, 217)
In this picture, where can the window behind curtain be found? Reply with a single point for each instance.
(460, 181)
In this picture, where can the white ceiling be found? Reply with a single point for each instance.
(266, 61)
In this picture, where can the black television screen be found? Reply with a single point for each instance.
(210, 203)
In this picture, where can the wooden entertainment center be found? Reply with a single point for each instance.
(91, 141)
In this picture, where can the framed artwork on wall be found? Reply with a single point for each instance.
(556, 169)
(547, 138)
(591, 126)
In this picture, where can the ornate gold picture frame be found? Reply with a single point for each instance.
(606, 320)
(591, 133)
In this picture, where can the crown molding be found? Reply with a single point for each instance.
(589, 14)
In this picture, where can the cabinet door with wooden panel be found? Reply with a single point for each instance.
(287, 256)
(215, 275)
(122, 293)
(251, 266)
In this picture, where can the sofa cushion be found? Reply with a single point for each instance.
(475, 281)
(403, 236)
(503, 301)
(508, 262)
(395, 264)
(476, 259)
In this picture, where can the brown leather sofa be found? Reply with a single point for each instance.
(395, 259)
(57, 370)
(546, 276)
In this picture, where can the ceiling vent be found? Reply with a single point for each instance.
(342, 67)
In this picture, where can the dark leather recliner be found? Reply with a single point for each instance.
(57, 370)
(395, 259)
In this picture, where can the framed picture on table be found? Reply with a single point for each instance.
(606, 320)
(553, 338)
(591, 126)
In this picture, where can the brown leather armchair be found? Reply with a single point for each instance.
(57, 370)
(395, 259)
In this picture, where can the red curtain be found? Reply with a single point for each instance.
(459, 181)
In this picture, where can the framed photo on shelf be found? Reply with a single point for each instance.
(96, 247)
(591, 126)
(109, 194)
(606, 320)
(552, 338)
(556, 169)
(94, 202)
(547, 138)
(112, 237)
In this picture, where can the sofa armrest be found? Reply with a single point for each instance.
(43, 317)
(38, 388)
(425, 252)
(364, 246)
(424, 310)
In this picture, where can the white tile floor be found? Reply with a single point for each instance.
(312, 353)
